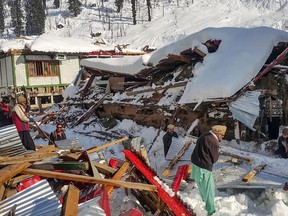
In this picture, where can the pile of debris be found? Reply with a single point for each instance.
(149, 93)
(73, 181)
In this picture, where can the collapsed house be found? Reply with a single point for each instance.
(215, 76)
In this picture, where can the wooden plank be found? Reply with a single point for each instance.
(144, 154)
(118, 175)
(200, 52)
(2, 191)
(70, 157)
(27, 158)
(104, 168)
(250, 175)
(19, 178)
(236, 156)
(9, 171)
(90, 111)
(89, 180)
(176, 158)
(71, 199)
(63, 165)
(98, 148)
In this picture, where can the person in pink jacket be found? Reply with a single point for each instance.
(20, 119)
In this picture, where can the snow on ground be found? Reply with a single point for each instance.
(270, 202)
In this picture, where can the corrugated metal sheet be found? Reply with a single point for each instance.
(38, 199)
(10, 143)
(246, 108)
(176, 146)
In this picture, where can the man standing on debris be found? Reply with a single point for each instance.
(5, 115)
(167, 138)
(57, 134)
(20, 119)
(205, 154)
(283, 144)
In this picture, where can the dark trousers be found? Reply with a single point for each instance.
(27, 140)
(281, 151)
(273, 127)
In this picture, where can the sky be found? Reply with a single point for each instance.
(190, 23)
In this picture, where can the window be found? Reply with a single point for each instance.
(43, 68)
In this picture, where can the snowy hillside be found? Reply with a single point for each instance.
(171, 22)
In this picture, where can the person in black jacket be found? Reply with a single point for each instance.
(283, 144)
(58, 134)
(167, 138)
(205, 154)
(5, 112)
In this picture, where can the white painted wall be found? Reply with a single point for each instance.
(20, 70)
(69, 69)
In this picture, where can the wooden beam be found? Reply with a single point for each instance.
(250, 175)
(89, 180)
(71, 199)
(236, 156)
(27, 158)
(98, 148)
(176, 158)
(10, 171)
(118, 175)
(104, 168)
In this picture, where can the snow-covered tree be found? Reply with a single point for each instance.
(149, 9)
(133, 3)
(75, 7)
(17, 17)
(56, 3)
(119, 5)
(2, 24)
(35, 17)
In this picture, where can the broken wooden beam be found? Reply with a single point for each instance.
(250, 175)
(90, 111)
(104, 168)
(89, 180)
(118, 175)
(236, 156)
(98, 148)
(176, 158)
(27, 158)
(10, 171)
(71, 199)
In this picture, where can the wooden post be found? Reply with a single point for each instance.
(71, 199)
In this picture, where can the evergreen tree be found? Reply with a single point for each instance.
(149, 9)
(119, 5)
(2, 24)
(44, 4)
(35, 17)
(75, 7)
(56, 3)
(17, 17)
(133, 3)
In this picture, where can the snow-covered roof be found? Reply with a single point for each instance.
(51, 43)
(239, 58)
(16, 44)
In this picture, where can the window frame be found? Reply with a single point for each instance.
(52, 66)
